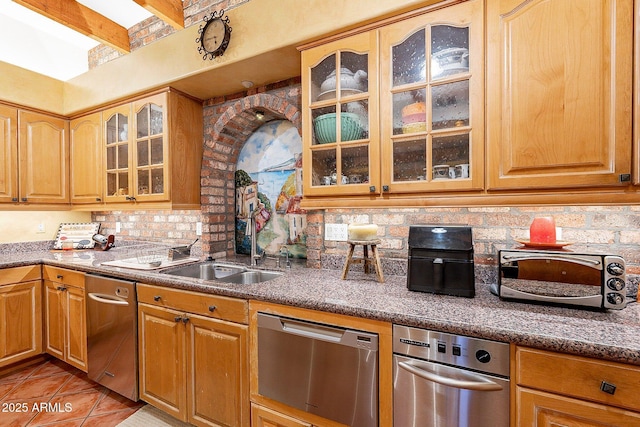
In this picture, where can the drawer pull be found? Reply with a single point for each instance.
(608, 387)
(157, 298)
(212, 308)
(59, 276)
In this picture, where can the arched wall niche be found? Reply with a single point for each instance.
(227, 127)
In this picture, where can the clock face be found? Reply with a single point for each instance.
(213, 35)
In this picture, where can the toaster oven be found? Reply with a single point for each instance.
(565, 278)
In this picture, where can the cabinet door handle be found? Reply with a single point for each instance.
(607, 387)
(14, 199)
(178, 318)
(185, 319)
(372, 189)
(385, 188)
(61, 288)
(24, 199)
(98, 199)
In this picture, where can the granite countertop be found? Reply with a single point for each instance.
(611, 335)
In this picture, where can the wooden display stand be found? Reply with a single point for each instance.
(374, 260)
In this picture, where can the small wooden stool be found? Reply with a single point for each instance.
(374, 261)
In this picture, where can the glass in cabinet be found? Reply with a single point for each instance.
(340, 97)
(431, 101)
(149, 153)
(117, 146)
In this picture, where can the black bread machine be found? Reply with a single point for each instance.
(441, 260)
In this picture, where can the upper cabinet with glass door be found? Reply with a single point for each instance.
(149, 153)
(118, 146)
(432, 101)
(154, 151)
(340, 118)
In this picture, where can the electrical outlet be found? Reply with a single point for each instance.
(41, 228)
(336, 232)
(198, 229)
(117, 226)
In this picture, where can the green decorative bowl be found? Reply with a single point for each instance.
(325, 127)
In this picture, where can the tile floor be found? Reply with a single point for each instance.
(55, 394)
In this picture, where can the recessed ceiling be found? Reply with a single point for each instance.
(45, 46)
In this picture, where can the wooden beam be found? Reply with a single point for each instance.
(83, 20)
(170, 11)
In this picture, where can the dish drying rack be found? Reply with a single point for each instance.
(154, 254)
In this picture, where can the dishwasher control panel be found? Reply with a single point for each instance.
(456, 350)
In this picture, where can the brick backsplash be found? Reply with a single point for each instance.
(176, 227)
(612, 229)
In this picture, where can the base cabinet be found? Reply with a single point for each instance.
(194, 363)
(65, 318)
(265, 417)
(20, 314)
(540, 409)
(562, 390)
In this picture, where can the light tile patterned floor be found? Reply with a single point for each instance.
(55, 394)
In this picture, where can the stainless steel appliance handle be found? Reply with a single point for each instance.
(577, 259)
(315, 331)
(107, 299)
(474, 382)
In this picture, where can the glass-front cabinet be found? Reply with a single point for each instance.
(117, 146)
(407, 99)
(341, 152)
(431, 101)
(135, 151)
(149, 153)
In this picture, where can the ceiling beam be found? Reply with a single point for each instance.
(83, 20)
(170, 11)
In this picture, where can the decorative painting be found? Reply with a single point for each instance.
(269, 187)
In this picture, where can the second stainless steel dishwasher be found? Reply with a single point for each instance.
(112, 333)
(325, 370)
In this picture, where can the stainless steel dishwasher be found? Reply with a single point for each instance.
(444, 380)
(112, 333)
(325, 370)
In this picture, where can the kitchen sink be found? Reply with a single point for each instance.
(207, 270)
(251, 276)
(227, 273)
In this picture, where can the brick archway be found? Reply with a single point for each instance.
(227, 127)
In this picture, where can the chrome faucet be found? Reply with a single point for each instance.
(254, 238)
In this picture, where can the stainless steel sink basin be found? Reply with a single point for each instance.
(207, 270)
(251, 276)
(227, 273)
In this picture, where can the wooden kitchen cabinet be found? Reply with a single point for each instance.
(20, 314)
(8, 154)
(557, 389)
(43, 155)
(35, 157)
(153, 151)
(65, 319)
(559, 107)
(420, 121)
(85, 149)
(265, 417)
(193, 355)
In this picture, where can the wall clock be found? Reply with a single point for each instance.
(215, 35)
